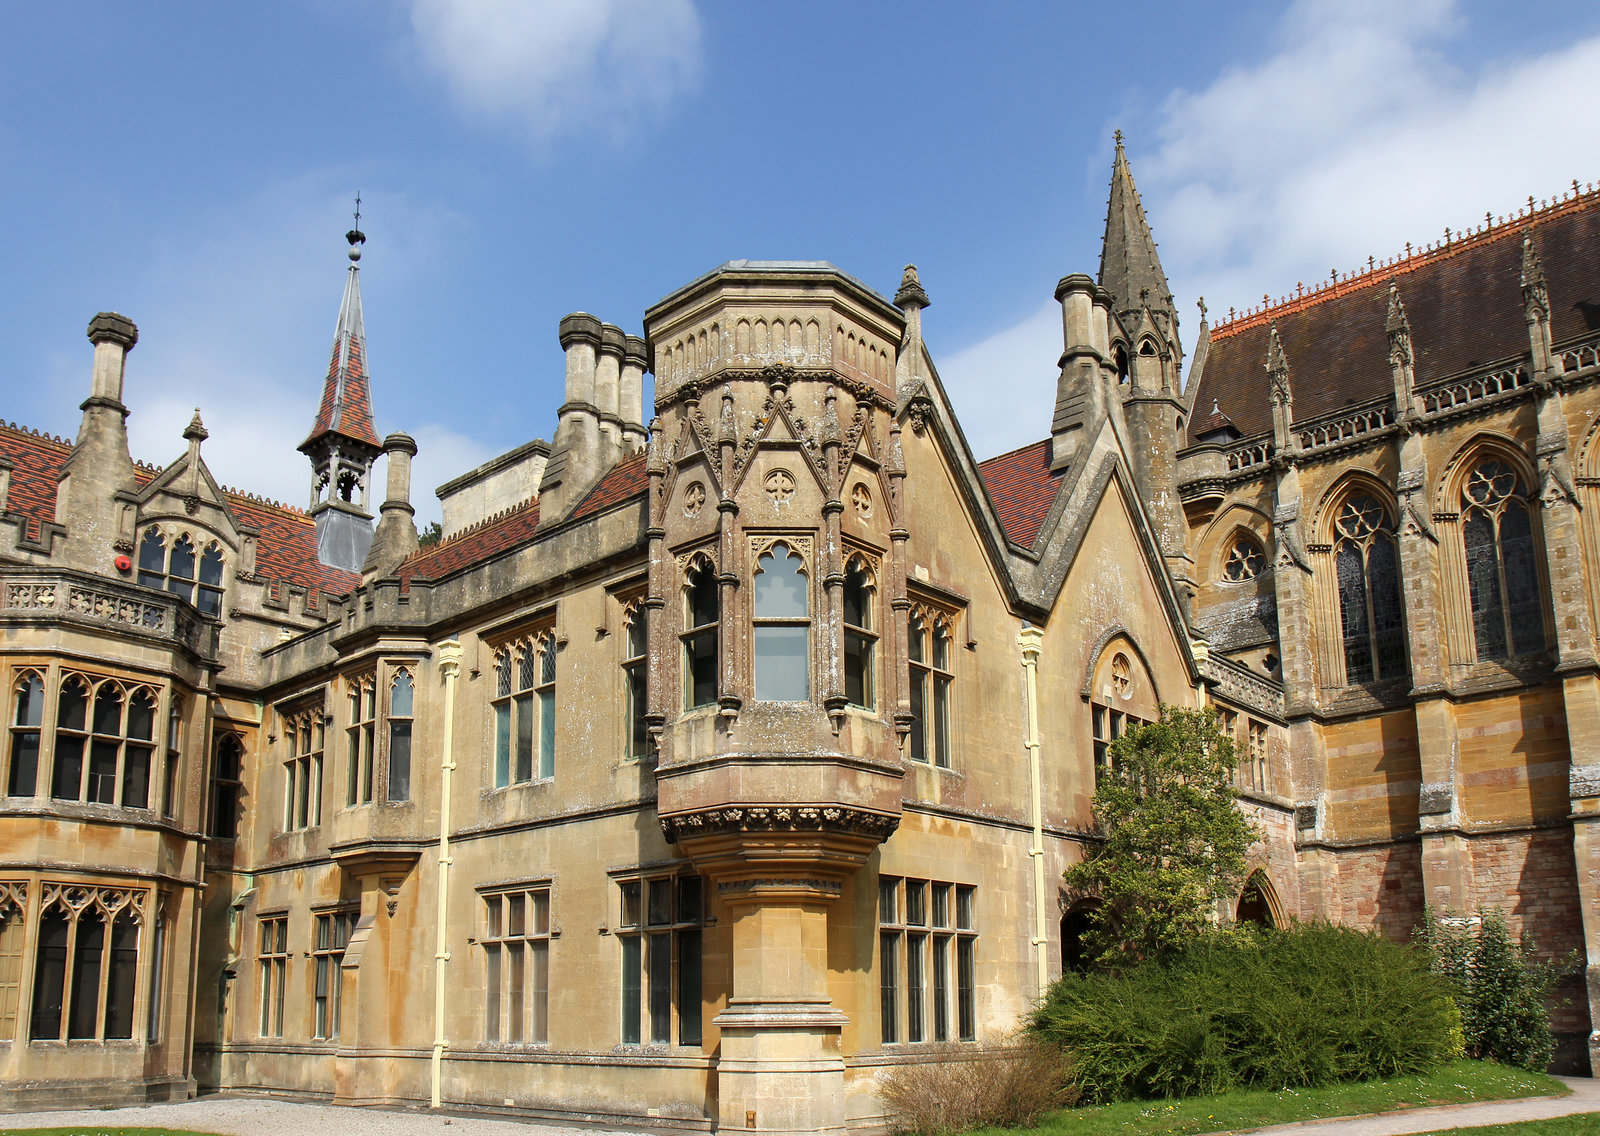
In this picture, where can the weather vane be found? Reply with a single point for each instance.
(358, 209)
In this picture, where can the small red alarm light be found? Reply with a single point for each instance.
(122, 563)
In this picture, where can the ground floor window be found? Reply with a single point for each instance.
(660, 929)
(927, 960)
(333, 935)
(87, 964)
(273, 953)
(516, 957)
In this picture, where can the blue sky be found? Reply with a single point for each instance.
(192, 165)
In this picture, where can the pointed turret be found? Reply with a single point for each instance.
(1130, 268)
(342, 444)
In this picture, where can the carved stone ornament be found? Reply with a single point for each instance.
(917, 412)
(780, 818)
(779, 485)
(761, 544)
(861, 500)
(694, 499)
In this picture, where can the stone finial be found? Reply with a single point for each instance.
(1535, 296)
(1399, 329)
(911, 291)
(1278, 368)
(196, 430)
(113, 327)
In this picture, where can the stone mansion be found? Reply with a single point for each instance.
(721, 755)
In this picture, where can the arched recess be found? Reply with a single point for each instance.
(1075, 923)
(1258, 903)
(1493, 571)
(1358, 606)
(1122, 693)
(1220, 536)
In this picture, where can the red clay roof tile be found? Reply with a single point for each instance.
(1023, 489)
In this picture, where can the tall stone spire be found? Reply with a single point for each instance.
(1130, 269)
(342, 444)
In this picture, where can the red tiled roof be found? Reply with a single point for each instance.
(346, 407)
(1463, 301)
(1023, 489)
(626, 479)
(472, 545)
(286, 550)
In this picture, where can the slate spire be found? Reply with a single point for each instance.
(343, 444)
(1130, 269)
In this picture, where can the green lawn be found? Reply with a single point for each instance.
(1453, 1084)
(1583, 1124)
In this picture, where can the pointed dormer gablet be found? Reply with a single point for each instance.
(1282, 397)
(910, 299)
(1130, 268)
(1402, 356)
(1536, 306)
(342, 444)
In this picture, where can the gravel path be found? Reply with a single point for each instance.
(262, 1116)
(1585, 1098)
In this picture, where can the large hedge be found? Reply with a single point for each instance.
(1277, 1009)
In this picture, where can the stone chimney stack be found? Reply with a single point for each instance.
(575, 457)
(100, 466)
(1081, 401)
(635, 361)
(608, 392)
(396, 537)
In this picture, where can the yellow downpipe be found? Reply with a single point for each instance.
(450, 667)
(1031, 640)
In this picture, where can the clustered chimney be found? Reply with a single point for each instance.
(601, 418)
(396, 537)
(100, 466)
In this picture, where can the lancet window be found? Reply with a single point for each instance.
(401, 697)
(701, 612)
(860, 635)
(27, 723)
(782, 626)
(86, 972)
(1367, 570)
(360, 733)
(302, 772)
(928, 651)
(182, 569)
(1502, 563)
(226, 776)
(636, 743)
(525, 710)
(104, 738)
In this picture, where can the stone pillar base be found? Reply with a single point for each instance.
(782, 1070)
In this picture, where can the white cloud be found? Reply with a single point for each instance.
(1355, 135)
(555, 65)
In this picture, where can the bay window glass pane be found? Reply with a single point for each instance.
(135, 776)
(941, 720)
(547, 733)
(108, 710)
(914, 987)
(660, 988)
(780, 586)
(858, 669)
(888, 993)
(399, 761)
(919, 715)
(121, 977)
(502, 744)
(689, 985)
(782, 670)
(103, 771)
(631, 1008)
(701, 650)
(86, 956)
(524, 703)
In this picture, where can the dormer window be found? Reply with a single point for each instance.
(782, 627)
(174, 569)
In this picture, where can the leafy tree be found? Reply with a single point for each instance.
(1500, 985)
(1174, 840)
(430, 535)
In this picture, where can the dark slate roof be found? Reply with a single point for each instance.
(1023, 489)
(1463, 301)
(286, 550)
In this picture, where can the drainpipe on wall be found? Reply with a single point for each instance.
(1031, 640)
(450, 667)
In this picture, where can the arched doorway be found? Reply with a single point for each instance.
(1255, 902)
(1074, 926)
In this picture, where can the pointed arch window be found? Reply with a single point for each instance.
(87, 964)
(181, 570)
(226, 777)
(782, 627)
(1367, 570)
(928, 648)
(27, 723)
(701, 612)
(1502, 563)
(104, 738)
(860, 635)
(401, 697)
(635, 647)
(525, 710)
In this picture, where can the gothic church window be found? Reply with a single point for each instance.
(634, 676)
(361, 694)
(1502, 565)
(782, 627)
(302, 772)
(87, 964)
(860, 639)
(525, 710)
(27, 723)
(1245, 559)
(174, 569)
(701, 612)
(1367, 570)
(401, 695)
(928, 651)
(104, 738)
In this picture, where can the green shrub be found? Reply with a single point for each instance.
(1272, 1010)
(1500, 986)
(952, 1087)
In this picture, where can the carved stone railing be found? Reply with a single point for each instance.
(1444, 397)
(1254, 453)
(1240, 685)
(1322, 433)
(1580, 357)
(76, 597)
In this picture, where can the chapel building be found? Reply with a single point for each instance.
(715, 760)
